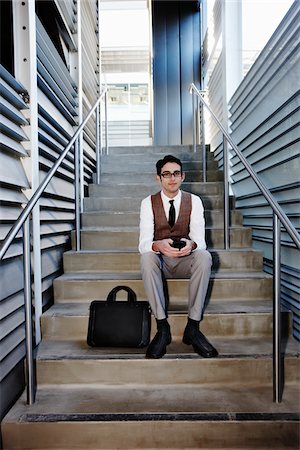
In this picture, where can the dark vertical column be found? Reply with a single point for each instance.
(160, 75)
(187, 71)
(173, 77)
(176, 64)
(197, 49)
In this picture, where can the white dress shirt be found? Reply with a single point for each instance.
(197, 223)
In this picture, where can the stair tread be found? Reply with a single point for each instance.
(227, 348)
(135, 251)
(256, 306)
(137, 195)
(134, 275)
(136, 402)
(154, 183)
(135, 229)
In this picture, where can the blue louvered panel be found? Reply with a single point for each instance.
(13, 179)
(90, 79)
(57, 115)
(215, 98)
(67, 10)
(53, 77)
(265, 124)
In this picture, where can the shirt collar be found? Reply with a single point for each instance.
(165, 198)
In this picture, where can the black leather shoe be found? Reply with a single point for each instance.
(193, 336)
(158, 346)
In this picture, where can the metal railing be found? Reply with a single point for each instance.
(23, 222)
(279, 218)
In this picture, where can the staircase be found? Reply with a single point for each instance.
(115, 398)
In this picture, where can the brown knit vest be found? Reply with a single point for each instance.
(181, 228)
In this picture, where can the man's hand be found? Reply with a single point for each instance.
(165, 247)
(187, 249)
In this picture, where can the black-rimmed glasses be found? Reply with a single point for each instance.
(176, 174)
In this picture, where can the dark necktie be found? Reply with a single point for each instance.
(171, 213)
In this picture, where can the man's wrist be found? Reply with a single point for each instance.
(155, 247)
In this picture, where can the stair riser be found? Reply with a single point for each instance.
(180, 151)
(212, 218)
(83, 290)
(163, 372)
(141, 166)
(93, 240)
(229, 325)
(120, 262)
(151, 434)
(112, 204)
(153, 157)
(127, 189)
(123, 177)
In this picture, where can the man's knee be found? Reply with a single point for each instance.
(149, 260)
(202, 258)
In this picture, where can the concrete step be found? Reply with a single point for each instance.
(133, 189)
(143, 165)
(177, 150)
(112, 238)
(123, 418)
(252, 319)
(105, 218)
(85, 287)
(139, 155)
(133, 203)
(120, 261)
(146, 177)
(240, 362)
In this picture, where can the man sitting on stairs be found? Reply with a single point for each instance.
(162, 255)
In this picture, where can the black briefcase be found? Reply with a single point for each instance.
(119, 323)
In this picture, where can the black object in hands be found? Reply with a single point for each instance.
(178, 243)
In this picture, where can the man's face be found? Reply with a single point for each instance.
(170, 184)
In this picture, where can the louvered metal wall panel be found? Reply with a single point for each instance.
(217, 19)
(216, 100)
(67, 9)
(90, 52)
(53, 77)
(12, 180)
(90, 79)
(265, 124)
(57, 115)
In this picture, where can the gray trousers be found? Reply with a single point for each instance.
(196, 267)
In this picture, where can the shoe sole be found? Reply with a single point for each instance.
(160, 355)
(203, 354)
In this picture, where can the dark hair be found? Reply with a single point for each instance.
(167, 159)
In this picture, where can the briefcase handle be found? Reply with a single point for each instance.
(113, 293)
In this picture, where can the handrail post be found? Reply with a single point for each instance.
(194, 124)
(106, 122)
(203, 149)
(226, 195)
(277, 371)
(30, 367)
(98, 146)
(77, 196)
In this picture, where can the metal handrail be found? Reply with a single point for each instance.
(36, 196)
(262, 187)
(279, 217)
(23, 221)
